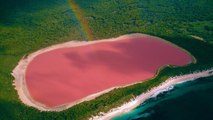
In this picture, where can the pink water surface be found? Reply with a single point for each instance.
(69, 74)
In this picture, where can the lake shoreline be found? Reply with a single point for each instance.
(20, 71)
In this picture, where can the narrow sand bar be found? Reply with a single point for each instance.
(141, 98)
(60, 76)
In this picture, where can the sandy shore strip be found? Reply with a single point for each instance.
(153, 92)
(20, 70)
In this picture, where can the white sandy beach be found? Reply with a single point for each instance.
(20, 69)
(153, 92)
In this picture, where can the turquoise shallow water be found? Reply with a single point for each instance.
(192, 100)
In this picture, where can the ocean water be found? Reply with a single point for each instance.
(192, 100)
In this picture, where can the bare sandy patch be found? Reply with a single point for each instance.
(198, 38)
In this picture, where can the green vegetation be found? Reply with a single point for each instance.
(162, 17)
(28, 26)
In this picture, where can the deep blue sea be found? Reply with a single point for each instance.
(192, 100)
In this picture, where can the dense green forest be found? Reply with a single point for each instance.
(162, 17)
(29, 25)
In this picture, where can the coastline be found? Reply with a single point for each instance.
(144, 96)
(20, 69)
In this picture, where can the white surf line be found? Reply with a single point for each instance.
(141, 98)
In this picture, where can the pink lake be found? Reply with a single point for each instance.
(65, 75)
